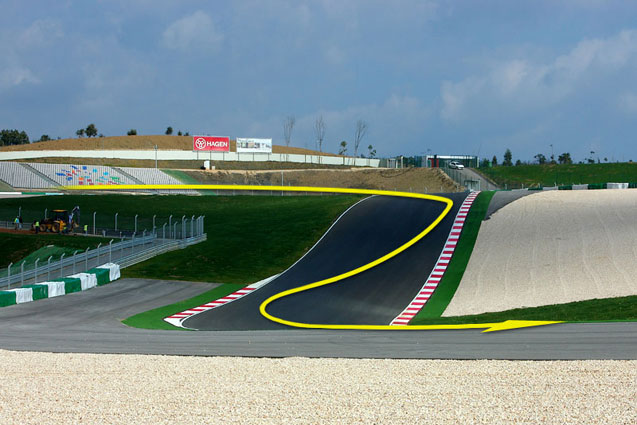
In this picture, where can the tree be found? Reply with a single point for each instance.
(179, 133)
(319, 132)
(485, 163)
(494, 161)
(518, 163)
(359, 134)
(80, 133)
(44, 138)
(91, 130)
(13, 137)
(169, 131)
(541, 159)
(186, 134)
(372, 151)
(288, 126)
(132, 132)
(508, 158)
(343, 148)
(565, 158)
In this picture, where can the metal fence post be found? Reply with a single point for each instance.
(132, 247)
(163, 230)
(74, 259)
(46, 210)
(175, 231)
(110, 251)
(98, 254)
(155, 215)
(22, 273)
(183, 226)
(86, 259)
(192, 226)
(116, 214)
(48, 268)
(9, 276)
(136, 223)
(35, 278)
(61, 267)
(94, 230)
(170, 224)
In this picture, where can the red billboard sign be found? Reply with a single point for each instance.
(211, 143)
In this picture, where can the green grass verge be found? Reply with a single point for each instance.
(562, 174)
(249, 237)
(181, 176)
(597, 310)
(449, 284)
(153, 319)
(16, 248)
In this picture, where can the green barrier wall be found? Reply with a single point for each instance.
(7, 298)
(71, 284)
(39, 291)
(103, 275)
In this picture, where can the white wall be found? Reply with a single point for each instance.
(188, 155)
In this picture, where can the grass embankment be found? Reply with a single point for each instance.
(458, 264)
(249, 237)
(597, 310)
(561, 174)
(15, 248)
(153, 319)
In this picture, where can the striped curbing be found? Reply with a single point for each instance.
(439, 269)
(97, 276)
(177, 319)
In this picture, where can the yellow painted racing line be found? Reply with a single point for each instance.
(490, 327)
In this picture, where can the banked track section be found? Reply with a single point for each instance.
(368, 231)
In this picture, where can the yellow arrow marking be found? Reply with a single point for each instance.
(490, 327)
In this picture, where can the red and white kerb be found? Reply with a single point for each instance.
(441, 265)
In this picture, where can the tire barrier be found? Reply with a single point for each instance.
(97, 276)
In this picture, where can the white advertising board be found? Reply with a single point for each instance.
(254, 145)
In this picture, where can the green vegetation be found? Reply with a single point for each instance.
(153, 319)
(458, 264)
(5, 187)
(181, 176)
(15, 248)
(562, 174)
(249, 237)
(606, 309)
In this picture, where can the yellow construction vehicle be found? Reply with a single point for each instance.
(61, 222)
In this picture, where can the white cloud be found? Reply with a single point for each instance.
(628, 102)
(196, 31)
(519, 84)
(40, 33)
(15, 76)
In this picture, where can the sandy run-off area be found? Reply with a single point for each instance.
(551, 248)
(44, 388)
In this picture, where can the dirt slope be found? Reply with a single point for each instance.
(408, 179)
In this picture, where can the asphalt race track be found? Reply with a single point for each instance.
(371, 229)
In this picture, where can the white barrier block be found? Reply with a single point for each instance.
(55, 288)
(23, 295)
(113, 268)
(580, 187)
(87, 280)
(616, 185)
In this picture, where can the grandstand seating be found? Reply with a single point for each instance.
(20, 175)
(150, 175)
(68, 174)
(15, 175)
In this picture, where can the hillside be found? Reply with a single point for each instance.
(561, 174)
(430, 180)
(140, 143)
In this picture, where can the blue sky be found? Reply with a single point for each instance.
(461, 77)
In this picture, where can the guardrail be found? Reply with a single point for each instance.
(125, 253)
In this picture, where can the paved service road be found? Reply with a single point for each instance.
(89, 322)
